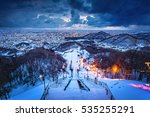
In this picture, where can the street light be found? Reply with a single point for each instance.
(148, 65)
(63, 69)
(115, 69)
(43, 79)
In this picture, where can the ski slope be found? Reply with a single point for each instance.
(76, 87)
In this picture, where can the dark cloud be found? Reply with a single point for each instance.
(75, 17)
(99, 20)
(54, 22)
(124, 12)
(14, 13)
(83, 5)
(23, 13)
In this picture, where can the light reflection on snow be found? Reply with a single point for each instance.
(141, 86)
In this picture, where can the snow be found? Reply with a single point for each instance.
(73, 92)
(28, 92)
(122, 90)
(31, 94)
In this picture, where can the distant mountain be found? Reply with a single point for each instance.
(143, 36)
(100, 35)
(122, 40)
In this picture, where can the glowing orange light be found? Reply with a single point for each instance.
(115, 68)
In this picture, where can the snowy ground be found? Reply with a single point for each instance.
(31, 93)
(125, 90)
(77, 87)
(73, 92)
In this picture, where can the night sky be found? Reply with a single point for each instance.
(119, 14)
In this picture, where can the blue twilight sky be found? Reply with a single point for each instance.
(105, 14)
